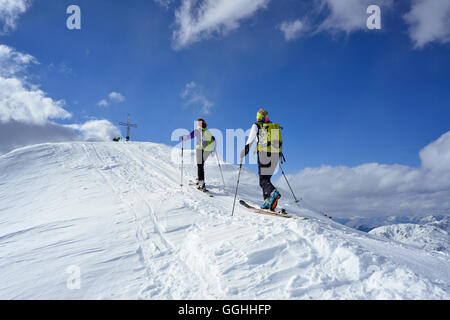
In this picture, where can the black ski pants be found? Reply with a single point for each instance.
(267, 164)
(201, 156)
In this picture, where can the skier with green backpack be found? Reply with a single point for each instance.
(269, 151)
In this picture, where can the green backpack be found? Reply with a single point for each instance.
(207, 141)
(270, 139)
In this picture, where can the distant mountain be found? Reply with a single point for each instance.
(431, 236)
(368, 224)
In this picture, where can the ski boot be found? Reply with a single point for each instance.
(266, 204)
(201, 185)
(274, 197)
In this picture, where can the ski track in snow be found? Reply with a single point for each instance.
(117, 211)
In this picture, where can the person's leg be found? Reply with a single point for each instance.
(200, 168)
(202, 156)
(266, 168)
(265, 174)
(266, 186)
(200, 172)
(267, 164)
(206, 155)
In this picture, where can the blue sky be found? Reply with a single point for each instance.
(344, 97)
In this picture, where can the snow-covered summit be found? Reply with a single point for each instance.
(113, 215)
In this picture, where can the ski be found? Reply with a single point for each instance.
(194, 184)
(282, 213)
(204, 191)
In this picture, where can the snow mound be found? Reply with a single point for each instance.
(110, 221)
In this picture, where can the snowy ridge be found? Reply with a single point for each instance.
(432, 236)
(116, 211)
(367, 224)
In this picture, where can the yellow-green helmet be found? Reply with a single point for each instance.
(262, 114)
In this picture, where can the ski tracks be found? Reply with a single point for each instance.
(218, 256)
(141, 236)
(192, 248)
(212, 249)
(164, 261)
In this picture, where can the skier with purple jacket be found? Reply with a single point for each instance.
(205, 145)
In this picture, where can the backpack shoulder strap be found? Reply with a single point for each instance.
(260, 125)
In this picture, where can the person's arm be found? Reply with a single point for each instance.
(250, 140)
(188, 136)
(253, 135)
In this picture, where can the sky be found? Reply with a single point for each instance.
(347, 96)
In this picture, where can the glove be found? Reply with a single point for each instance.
(245, 152)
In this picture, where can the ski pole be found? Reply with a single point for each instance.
(304, 203)
(308, 206)
(220, 167)
(182, 162)
(282, 171)
(237, 186)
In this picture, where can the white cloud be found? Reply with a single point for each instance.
(348, 15)
(113, 97)
(22, 134)
(436, 156)
(164, 3)
(27, 114)
(13, 62)
(26, 105)
(376, 189)
(116, 97)
(20, 101)
(194, 96)
(103, 103)
(429, 21)
(96, 130)
(10, 10)
(197, 20)
(292, 29)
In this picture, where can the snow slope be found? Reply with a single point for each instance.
(117, 213)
